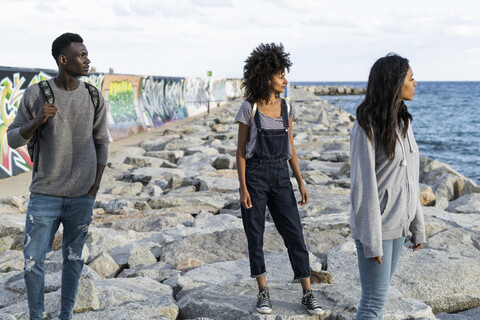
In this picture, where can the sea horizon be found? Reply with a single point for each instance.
(445, 120)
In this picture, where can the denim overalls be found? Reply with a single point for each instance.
(268, 183)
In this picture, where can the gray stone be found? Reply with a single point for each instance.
(469, 203)
(11, 260)
(150, 300)
(87, 298)
(226, 245)
(183, 143)
(201, 149)
(471, 314)
(468, 221)
(158, 143)
(159, 271)
(170, 155)
(104, 265)
(224, 162)
(128, 190)
(141, 256)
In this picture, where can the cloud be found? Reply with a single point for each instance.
(212, 3)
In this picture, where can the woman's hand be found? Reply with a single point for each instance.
(304, 194)
(378, 259)
(414, 246)
(245, 200)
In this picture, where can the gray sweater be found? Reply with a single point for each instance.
(71, 143)
(384, 194)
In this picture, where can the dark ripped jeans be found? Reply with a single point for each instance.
(44, 215)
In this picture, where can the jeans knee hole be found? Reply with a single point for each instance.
(29, 263)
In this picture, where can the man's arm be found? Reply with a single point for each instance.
(96, 185)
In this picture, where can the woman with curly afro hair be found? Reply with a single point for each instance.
(265, 145)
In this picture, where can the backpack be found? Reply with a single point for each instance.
(33, 145)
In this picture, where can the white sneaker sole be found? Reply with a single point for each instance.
(316, 311)
(264, 310)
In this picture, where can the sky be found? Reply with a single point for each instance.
(330, 40)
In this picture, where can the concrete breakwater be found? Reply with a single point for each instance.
(167, 240)
(332, 90)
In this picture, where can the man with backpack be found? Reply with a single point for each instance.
(63, 120)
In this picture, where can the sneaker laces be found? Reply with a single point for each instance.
(264, 298)
(310, 301)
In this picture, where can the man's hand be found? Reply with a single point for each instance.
(93, 191)
(48, 110)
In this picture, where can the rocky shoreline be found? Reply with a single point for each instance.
(167, 240)
(331, 90)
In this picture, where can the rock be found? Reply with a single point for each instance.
(201, 149)
(158, 143)
(183, 143)
(471, 314)
(223, 162)
(226, 245)
(158, 271)
(427, 198)
(87, 298)
(11, 260)
(189, 264)
(141, 257)
(12, 226)
(104, 265)
(433, 226)
(330, 168)
(129, 190)
(132, 298)
(469, 203)
(170, 155)
(467, 221)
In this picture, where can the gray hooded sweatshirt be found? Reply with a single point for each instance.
(71, 143)
(384, 193)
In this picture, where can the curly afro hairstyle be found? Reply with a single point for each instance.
(62, 42)
(264, 62)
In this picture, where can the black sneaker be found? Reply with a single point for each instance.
(310, 303)
(263, 301)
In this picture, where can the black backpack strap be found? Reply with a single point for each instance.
(47, 91)
(33, 145)
(93, 95)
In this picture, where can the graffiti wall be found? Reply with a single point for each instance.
(13, 82)
(163, 100)
(134, 103)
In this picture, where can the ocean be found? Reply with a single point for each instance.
(446, 120)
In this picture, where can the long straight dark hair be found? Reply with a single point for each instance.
(383, 111)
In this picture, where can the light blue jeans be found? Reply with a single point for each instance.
(44, 215)
(375, 278)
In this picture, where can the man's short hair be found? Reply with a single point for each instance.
(64, 41)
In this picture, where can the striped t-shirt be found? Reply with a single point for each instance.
(267, 122)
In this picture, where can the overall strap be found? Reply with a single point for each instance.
(250, 123)
(257, 119)
(285, 113)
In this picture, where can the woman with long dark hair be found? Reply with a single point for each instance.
(384, 181)
(265, 144)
